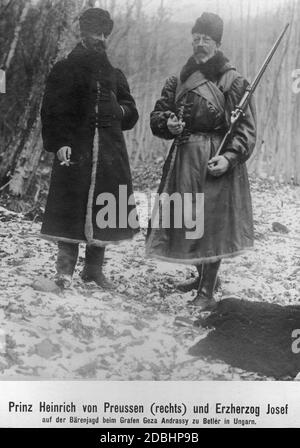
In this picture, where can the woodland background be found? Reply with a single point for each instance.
(148, 48)
(144, 330)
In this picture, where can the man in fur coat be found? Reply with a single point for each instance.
(194, 109)
(86, 106)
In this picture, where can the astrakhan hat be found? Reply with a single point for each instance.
(96, 20)
(211, 25)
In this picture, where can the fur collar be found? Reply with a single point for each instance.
(212, 69)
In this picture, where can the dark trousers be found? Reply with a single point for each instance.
(68, 254)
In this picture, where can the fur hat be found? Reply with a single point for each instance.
(96, 20)
(209, 24)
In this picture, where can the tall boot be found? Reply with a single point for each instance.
(92, 271)
(204, 300)
(65, 264)
(193, 282)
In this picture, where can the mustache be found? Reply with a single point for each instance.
(200, 50)
(97, 46)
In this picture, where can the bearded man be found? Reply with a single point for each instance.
(194, 109)
(86, 106)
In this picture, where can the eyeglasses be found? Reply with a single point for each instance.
(202, 38)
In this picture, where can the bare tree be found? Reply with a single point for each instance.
(148, 48)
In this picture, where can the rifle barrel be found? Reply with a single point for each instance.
(251, 88)
(268, 59)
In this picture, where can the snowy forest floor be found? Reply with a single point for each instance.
(144, 329)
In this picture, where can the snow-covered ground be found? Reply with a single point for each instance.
(133, 333)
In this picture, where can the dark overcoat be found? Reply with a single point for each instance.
(208, 92)
(87, 104)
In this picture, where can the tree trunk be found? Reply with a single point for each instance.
(22, 153)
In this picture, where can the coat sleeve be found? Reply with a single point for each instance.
(126, 101)
(163, 109)
(242, 143)
(58, 108)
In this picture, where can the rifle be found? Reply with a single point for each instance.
(239, 110)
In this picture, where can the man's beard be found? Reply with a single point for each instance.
(100, 47)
